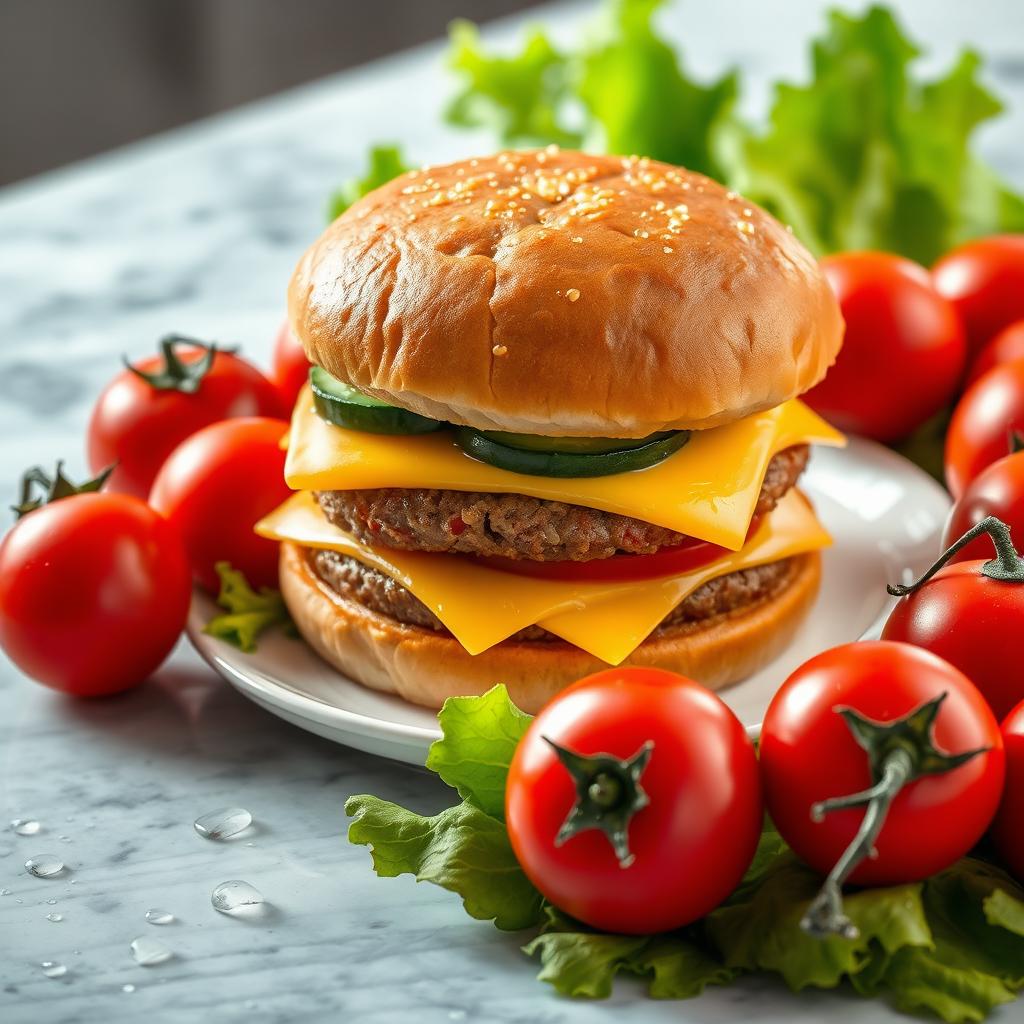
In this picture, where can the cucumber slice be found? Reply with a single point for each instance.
(575, 445)
(341, 404)
(568, 463)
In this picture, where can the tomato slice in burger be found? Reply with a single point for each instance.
(667, 561)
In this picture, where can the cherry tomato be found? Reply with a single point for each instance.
(1008, 829)
(904, 349)
(972, 620)
(94, 592)
(667, 561)
(693, 839)
(139, 420)
(984, 280)
(290, 367)
(983, 424)
(998, 490)
(809, 755)
(213, 489)
(1005, 347)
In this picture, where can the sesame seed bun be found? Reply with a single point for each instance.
(426, 667)
(553, 292)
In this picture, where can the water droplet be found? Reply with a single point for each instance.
(26, 826)
(52, 969)
(457, 1015)
(65, 839)
(148, 952)
(44, 866)
(231, 897)
(5, 892)
(156, 916)
(74, 881)
(52, 903)
(224, 823)
(54, 917)
(127, 988)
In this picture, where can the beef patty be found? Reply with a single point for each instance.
(381, 594)
(516, 526)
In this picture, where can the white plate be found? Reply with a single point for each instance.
(885, 514)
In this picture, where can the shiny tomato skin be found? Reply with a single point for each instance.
(94, 593)
(213, 489)
(984, 280)
(137, 426)
(903, 352)
(998, 490)
(808, 754)
(1005, 347)
(1008, 828)
(289, 366)
(694, 840)
(980, 431)
(971, 622)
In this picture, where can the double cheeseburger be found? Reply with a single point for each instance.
(552, 425)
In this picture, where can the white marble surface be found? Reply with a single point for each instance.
(197, 231)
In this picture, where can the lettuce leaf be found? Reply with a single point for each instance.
(866, 155)
(385, 164)
(480, 735)
(248, 613)
(462, 849)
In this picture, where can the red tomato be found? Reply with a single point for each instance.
(904, 350)
(984, 280)
(983, 423)
(668, 561)
(1005, 347)
(137, 424)
(290, 367)
(693, 840)
(1008, 829)
(998, 490)
(214, 488)
(809, 754)
(94, 592)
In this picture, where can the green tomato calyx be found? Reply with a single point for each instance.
(608, 794)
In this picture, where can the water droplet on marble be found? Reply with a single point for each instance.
(223, 824)
(156, 916)
(148, 952)
(231, 897)
(52, 903)
(26, 826)
(44, 866)
(127, 988)
(52, 969)
(55, 917)
(5, 892)
(65, 839)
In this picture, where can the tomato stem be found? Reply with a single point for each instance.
(175, 374)
(53, 488)
(608, 794)
(825, 915)
(1007, 566)
(899, 752)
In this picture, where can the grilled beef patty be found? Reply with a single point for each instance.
(381, 594)
(515, 526)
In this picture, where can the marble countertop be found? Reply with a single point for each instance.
(197, 231)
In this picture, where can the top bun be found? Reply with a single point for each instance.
(554, 292)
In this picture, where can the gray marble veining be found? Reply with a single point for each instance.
(197, 231)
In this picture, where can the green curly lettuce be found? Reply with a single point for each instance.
(385, 164)
(248, 613)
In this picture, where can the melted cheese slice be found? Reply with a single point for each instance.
(708, 489)
(483, 606)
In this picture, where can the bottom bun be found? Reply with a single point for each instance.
(426, 668)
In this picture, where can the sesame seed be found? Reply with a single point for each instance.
(577, 239)
(668, 248)
(747, 212)
(572, 294)
(500, 350)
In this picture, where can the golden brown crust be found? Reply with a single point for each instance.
(425, 668)
(565, 294)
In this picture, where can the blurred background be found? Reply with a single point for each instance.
(81, 76)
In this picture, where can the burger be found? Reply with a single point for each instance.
(552, 425)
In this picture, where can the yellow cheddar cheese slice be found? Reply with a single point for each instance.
(483, 606)
(708, 489)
